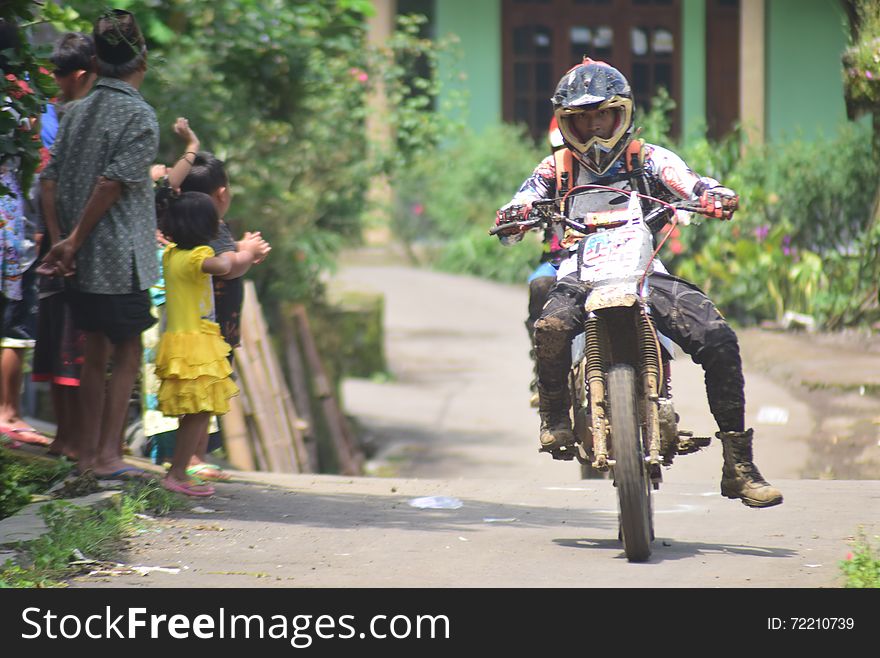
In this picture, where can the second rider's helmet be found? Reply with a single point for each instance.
(594, 85)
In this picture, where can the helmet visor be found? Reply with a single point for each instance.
(586, 134)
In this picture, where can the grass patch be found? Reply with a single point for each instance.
(23, 474)
(861, 567)
(97, 532)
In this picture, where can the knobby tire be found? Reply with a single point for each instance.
(630, 469)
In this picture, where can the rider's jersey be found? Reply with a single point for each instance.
(669, 178)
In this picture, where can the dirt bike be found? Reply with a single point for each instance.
(622, 412)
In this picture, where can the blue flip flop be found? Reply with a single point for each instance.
(125, 473)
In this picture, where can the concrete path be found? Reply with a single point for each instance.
(454, 427)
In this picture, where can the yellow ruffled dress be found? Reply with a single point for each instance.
(191, 359)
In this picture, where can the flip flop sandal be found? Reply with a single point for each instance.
(199, 471)
(187, 488)
(125, 473)
(42, 441)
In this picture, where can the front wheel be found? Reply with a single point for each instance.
(630, 471)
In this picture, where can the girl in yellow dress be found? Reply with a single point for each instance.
(192, 357)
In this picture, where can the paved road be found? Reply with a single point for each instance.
(455, 423)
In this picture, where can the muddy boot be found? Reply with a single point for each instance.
(740, 478)
(555, 420)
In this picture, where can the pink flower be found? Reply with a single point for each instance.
(849, 556)
(418, 209)
(676, 247)
(358, 74)
(869, 75)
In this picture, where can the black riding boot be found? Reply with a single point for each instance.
(555, 420)
(740, 478)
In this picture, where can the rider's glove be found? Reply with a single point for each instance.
(719, 202)
(513, 214)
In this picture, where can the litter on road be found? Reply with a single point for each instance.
(436, 502)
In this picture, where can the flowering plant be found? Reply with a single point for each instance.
(861, 62)
(25, 86)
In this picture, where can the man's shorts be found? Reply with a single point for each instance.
(20, 315)
(119, 317)
(58, 355)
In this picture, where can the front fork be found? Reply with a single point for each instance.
(596, 343)
(652, 375)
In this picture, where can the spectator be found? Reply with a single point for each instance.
(72, 60)
(97, 192)
(208, 175)
(12, 207)
(191, 357)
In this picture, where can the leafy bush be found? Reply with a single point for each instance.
(803, 239)
(20, 477)
(25, 87)
(862, 59)
(447, 200)
(861, 568)
(279, 90)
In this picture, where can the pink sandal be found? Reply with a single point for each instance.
(25, 435)
(187, 488)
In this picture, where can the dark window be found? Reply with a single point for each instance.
(542, 40)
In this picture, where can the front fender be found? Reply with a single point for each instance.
(610, 296)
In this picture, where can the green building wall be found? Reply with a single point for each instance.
(804, 88)
(477, 23)
(693, 64)
(804, 84)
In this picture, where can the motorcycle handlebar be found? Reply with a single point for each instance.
(545, 213)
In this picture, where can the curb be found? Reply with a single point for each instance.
(26, 524)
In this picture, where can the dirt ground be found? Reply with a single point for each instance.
(838, 377)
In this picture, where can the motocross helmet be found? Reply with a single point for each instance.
(593, 85)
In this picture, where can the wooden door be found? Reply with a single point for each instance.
(722, 66)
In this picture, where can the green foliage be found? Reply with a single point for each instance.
(448, 197)
(861, 61)
(96, 532)
(20, 478)
(657, 121)
(861, 568)
(803, 239)
(25, 86)
(279, 90)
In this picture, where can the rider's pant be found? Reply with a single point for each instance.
(539, 289)
(681, 311)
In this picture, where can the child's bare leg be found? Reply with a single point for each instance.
(10, 384)
(126, 364)
(189, 432)
(204, 470)
(96, 352)
(201, 453)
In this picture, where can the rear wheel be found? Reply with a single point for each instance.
(630, 470)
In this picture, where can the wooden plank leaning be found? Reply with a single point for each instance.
(349, 455)
(250, 396)
(272, 432)
(281, 402)
(300, 389)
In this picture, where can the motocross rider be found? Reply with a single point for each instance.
(593, 106)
